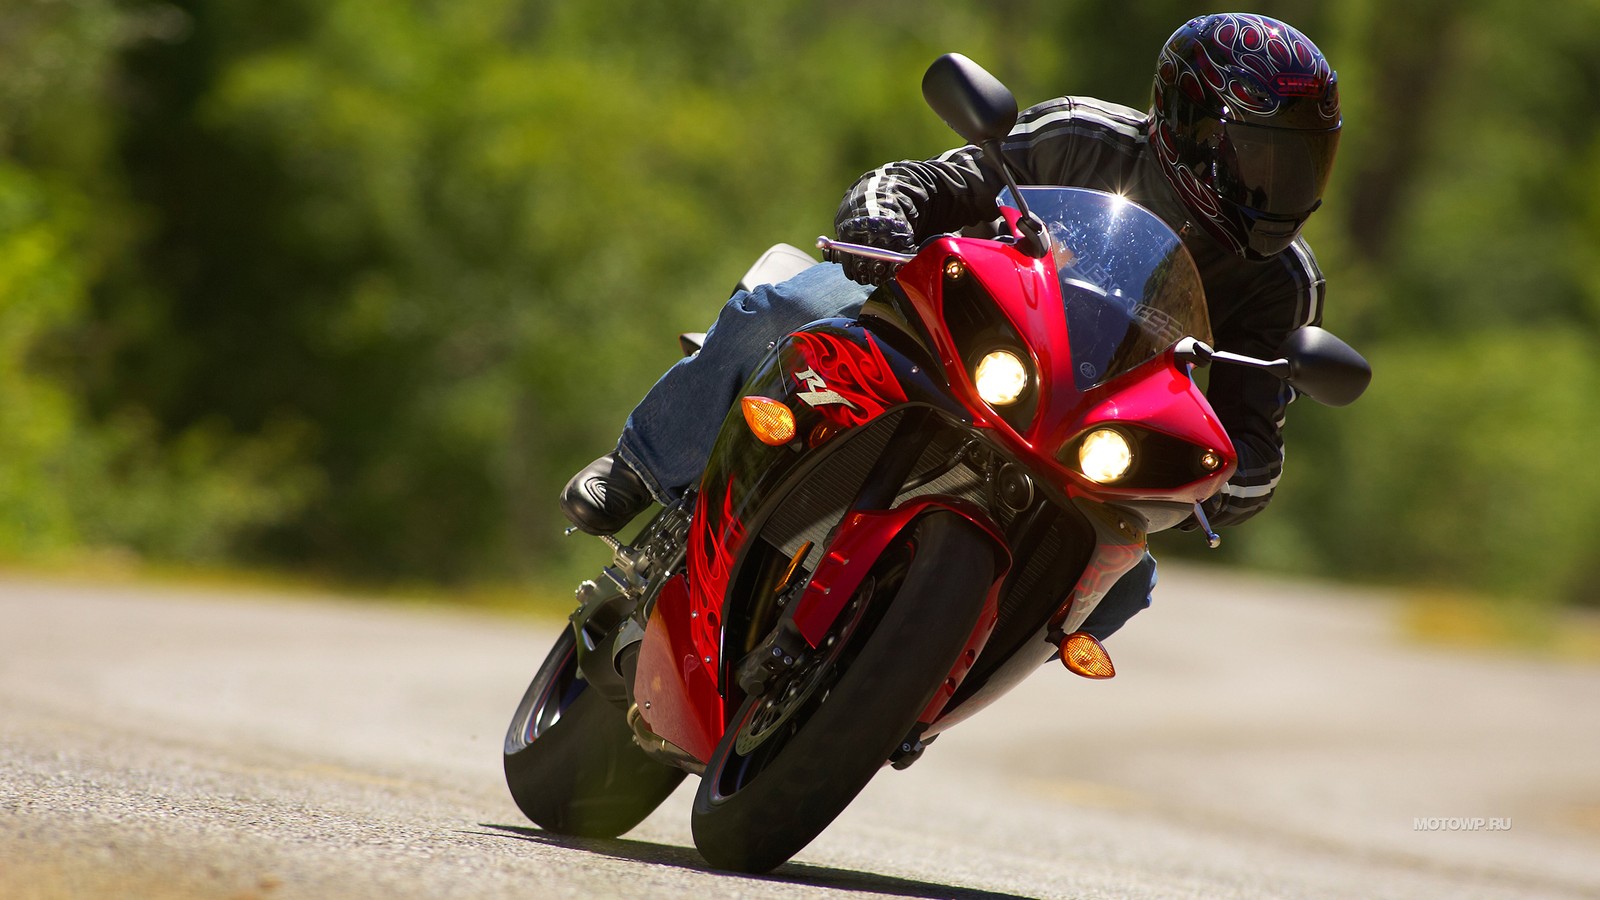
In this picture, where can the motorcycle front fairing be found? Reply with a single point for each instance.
(1097, 318)
(883, 405)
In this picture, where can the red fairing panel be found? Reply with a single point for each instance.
(675, 687)
(861, 540)
(969, 655)
(1024, 290)
(1163, 398)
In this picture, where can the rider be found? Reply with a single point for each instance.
(1234, 155)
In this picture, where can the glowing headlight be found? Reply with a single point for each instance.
(1104, 456)
(1001, 378)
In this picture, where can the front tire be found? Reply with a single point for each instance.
(759, 805)
(570, 759)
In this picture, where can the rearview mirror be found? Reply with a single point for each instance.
(1325, 368)
(981, 109)
(970, 100)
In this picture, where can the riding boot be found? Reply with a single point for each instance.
(604, 496)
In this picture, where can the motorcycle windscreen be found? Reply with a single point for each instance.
(1130, 288)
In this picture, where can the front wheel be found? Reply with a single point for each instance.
(794, 758)
(570, 759)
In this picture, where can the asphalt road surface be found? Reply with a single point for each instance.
(1262, 739)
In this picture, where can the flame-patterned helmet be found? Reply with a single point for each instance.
(1246, 126)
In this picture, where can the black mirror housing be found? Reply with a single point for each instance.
(1325, 368)
(971, 101)
(983, 111)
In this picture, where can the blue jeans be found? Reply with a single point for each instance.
(669, 435)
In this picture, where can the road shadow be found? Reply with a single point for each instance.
(790, 872)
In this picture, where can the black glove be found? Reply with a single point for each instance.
(883, 232)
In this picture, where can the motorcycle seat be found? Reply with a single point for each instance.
(780, 263)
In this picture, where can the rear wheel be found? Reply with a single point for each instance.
(570, 759)
(794, 758)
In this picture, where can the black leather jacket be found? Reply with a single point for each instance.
(1082, 142)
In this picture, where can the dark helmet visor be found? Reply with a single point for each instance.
(1276, 172)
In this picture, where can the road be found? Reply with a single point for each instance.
(1262, 739)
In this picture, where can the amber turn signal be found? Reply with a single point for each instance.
(1085, 656)
(770, 421)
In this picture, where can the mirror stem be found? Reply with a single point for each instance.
(1278, 367)
(1030, 230)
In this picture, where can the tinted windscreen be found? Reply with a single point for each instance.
(1130, 288)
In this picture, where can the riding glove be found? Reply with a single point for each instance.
(882, 232)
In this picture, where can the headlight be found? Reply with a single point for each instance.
(1001, 378)
(1105, 455)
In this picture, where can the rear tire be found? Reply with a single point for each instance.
(759, 806)
(570, 759)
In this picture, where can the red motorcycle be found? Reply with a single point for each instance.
(905, 515)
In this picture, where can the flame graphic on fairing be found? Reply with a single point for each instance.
(858, 375)
(714, 541)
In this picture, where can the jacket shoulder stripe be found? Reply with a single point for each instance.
(1126, 115)
(1304, 267)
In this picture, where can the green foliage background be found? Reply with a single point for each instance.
(351, 286)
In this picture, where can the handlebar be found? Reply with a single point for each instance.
(889, 256)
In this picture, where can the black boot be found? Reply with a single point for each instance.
(605, 496)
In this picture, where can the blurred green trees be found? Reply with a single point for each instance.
(352, 286)
(74, 471)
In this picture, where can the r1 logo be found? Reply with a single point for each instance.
(818, 393)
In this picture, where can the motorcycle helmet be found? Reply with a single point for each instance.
(1245, 127)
